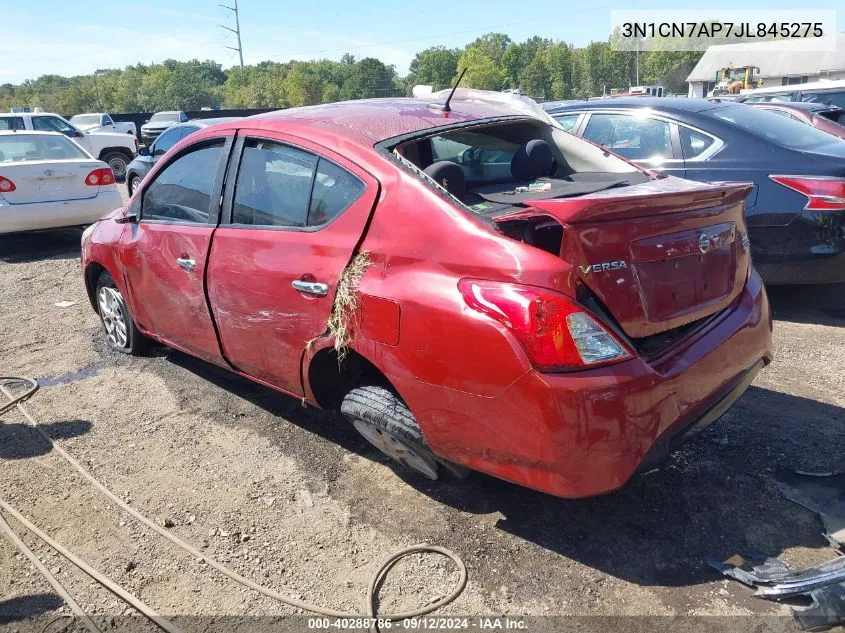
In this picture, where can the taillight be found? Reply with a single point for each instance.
(556, 333)
(102, 176)
(824, 193)
(6, 185)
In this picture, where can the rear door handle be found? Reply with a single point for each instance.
(186, 263)
(311, 287)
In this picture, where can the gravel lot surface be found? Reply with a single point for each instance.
(294, 499)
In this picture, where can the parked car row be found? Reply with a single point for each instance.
(824, 92)
(102, 122)
(115, 149)
(796, 234)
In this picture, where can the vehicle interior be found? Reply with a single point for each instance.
(492, 168)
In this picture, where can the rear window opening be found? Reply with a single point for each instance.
(493, 168)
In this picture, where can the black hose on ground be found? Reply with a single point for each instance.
(370, 606)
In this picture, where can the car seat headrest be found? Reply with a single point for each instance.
(448, 175)
(533, 160)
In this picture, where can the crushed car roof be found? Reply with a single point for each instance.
(381, 119)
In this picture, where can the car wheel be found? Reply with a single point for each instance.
(118, 163)
(386, 422)
(134, 181)
(121, 331)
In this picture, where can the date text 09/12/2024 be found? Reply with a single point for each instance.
(419, 624)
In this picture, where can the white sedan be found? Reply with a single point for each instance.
(47, 181)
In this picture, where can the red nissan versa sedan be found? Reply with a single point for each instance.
(510, 298)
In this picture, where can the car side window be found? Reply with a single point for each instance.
(183, 117)
(567, 121)
(334, 191)
(483, 158)
(11, 123)
(167, 140)
(274, 185)
(52, 124)
(693, 143)
(831, 98)
(633, 137)
(187, 130)
(181, 192)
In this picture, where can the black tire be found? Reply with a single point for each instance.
(118, 162)
(135, 343)
(133, 180)
(383, 411)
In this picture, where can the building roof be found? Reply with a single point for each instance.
(794, 57)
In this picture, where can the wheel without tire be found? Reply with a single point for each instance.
(386, 422)
(118, 163)
(121, 331)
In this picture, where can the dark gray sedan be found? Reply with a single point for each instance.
(148, 156)
(795, 213)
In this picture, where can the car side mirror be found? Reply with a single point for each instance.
(129, 218)
(143, 150)
(147, 121)
(160, 151)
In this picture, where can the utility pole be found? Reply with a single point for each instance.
(638, 62)
(236, 31)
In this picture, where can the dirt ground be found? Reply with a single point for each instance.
(294, 499)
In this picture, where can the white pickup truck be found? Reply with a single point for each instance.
(96, 122)
(114, 148)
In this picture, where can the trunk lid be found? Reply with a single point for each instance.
(658, 255)
(49, 180)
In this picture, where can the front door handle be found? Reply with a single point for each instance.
(311, 287)
(186, 263)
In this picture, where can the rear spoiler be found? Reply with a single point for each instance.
(655, 197)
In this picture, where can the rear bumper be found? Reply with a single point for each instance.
(587, 433)
(16, 218)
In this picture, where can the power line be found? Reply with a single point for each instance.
(236, 30)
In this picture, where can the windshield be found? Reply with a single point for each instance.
(25, 147)
(164, 117)
(774, 128)
(86, 119)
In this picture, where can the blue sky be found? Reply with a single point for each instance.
(69, 37)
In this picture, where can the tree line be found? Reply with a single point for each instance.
(542, 68)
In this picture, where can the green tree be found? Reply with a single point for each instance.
(301, 85)
(481, 71)
(435, 66)
(369, 78)
(493, 45)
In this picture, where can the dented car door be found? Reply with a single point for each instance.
(290, 225)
